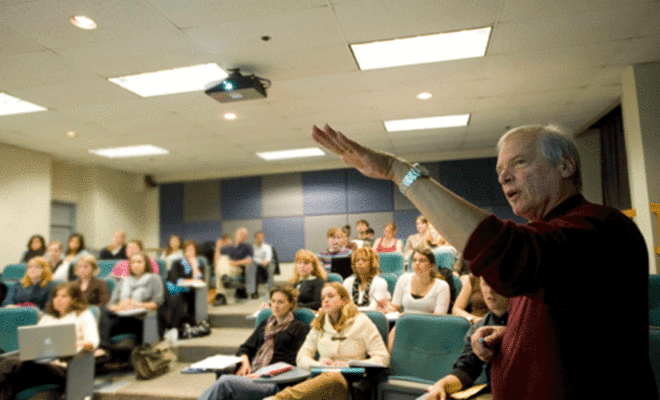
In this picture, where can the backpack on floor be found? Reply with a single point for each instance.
(150, 362)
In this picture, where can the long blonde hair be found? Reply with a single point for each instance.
(46, 272)
(307, 257)
(372, 255)
(348, 310)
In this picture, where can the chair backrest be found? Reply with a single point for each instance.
(380, 320)
(654, 300)
(106, 267)
(391, 281)
(426, 346)
(654, 353)
(301, 314)
(10, 320)
(444, 259)
(162, 267)
(391, 263)
(13, 273)
(111, 282)
(334, 277)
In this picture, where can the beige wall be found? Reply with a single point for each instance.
(107, 200)
(25, 182)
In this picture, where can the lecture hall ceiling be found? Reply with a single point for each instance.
(546, 61)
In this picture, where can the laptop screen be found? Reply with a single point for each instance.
(46, 342)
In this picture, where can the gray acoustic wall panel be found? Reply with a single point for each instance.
(316, 229)
(282, 195)
(201, 201)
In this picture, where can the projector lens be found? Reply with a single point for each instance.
(227, 85)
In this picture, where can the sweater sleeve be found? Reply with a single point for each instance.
(89, 328)
(376, 350)
(104, 293)
(299, 332)
(443, 297)
(251, 345)
(156, 288)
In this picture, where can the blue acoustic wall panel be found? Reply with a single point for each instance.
(367, 194)
(286, 234)
(202, 231)
(324, 192)
(241, 198)
(405, 223)
(171, 210)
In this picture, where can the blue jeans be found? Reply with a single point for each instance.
(234, 387)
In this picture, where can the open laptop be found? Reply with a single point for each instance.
(46, 342)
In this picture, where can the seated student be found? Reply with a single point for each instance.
(339, 334)
(368, 240)
(424, 291)
(117, 248)
(388, 243)
(36, 247)
(436, 241)
(308, 278)
(468, 367)
(220, 266)
(54, 255)
(34, 288)
(121, 269)
(367, 289)
(240, 263)
(140, 289)
(334, 237)
(417, 239)
(74, 250)
(66, 306)
(470, 302)
(94, 290)
(172, 252)
(185, 270)
(276, 339)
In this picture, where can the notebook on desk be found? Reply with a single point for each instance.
(46, 342)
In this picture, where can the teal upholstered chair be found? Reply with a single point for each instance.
(379, 319)
(301, 314)
(425, 348)
(10, 320)
(334, 277)
(654, 300)
(391, 263)
(12, 273)
(444, 259)
(391, 281)
(106, 267)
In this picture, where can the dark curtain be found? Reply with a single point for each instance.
(614, 166)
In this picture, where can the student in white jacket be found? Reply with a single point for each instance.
(340, 334)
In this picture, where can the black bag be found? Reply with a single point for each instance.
(150, 362)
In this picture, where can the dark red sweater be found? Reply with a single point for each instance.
(578, 322)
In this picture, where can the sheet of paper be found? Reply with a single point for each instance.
(216, 362)
(130, 313)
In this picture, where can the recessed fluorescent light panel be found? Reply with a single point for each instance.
(131, 151)
(422, 49)
(447, 121)
(297, 153)
(177, 80)
(11, 105)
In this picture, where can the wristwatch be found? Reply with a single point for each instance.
(417, 171)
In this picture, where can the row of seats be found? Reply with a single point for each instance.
(393, 263)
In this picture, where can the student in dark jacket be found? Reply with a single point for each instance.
(276, 339)
(309, 278)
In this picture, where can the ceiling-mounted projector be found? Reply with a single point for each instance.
(237, 87)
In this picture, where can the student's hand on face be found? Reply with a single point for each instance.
(485, 341)
(370, 162)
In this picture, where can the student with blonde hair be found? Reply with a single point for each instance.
(35, 286)
(368, 290)
(308, 278)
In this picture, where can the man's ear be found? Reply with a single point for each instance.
(567, 167)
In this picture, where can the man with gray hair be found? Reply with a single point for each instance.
(240, 261)
(559, 270)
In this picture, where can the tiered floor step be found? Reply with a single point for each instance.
(230, 327)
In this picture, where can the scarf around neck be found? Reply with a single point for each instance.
(265, 353)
